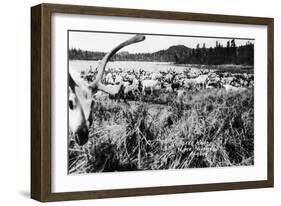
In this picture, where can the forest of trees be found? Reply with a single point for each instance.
(180, 54)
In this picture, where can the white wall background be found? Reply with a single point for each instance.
(15, 102)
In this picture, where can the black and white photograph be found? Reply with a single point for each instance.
(139, 102)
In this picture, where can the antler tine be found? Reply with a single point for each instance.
(97, 83)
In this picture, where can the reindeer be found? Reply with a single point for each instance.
(175, 84)
(80, 99)
(201, 81)
(132, 88)
(149, 85)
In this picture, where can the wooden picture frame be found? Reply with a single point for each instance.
(41, 95)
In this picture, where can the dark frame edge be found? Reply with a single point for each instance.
(270, 101)
(40, 103)
(36, 138)
(166, 190)
(158, 14)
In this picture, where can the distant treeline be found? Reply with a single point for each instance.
(180, 54)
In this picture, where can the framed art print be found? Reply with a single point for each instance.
(132, 102)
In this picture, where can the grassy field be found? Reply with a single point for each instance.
(209, 128)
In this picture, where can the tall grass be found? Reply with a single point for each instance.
(210, 128)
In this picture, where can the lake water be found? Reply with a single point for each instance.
(80, 65)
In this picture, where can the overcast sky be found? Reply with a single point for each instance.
(104, 42)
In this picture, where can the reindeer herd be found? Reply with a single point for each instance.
(135, 84)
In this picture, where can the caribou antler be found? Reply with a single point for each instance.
(97, 84)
